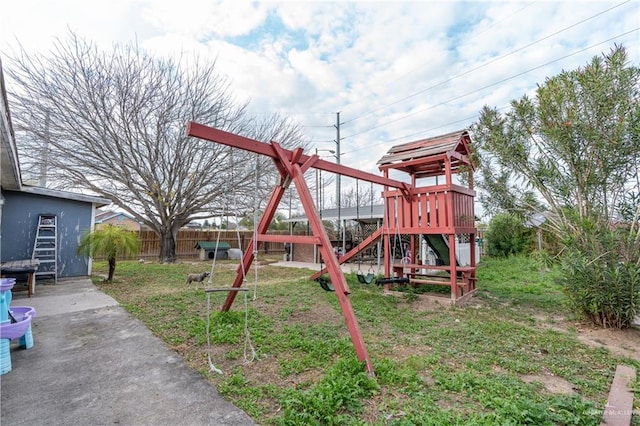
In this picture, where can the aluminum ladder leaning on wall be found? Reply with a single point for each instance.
(45, 246)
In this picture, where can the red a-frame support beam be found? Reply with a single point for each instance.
(291, 166)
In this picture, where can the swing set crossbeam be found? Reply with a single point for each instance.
(211, 134)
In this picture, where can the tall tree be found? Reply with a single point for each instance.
(575, 148)
(114, 123)
(575, 145)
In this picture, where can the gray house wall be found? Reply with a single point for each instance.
(19, 220)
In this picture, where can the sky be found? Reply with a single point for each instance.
(395, 71)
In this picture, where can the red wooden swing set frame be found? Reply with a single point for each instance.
(292, 164)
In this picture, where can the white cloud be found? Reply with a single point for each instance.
(317, 71)
(200, 18)
(35, 24)
(310, 16)
(395, 70)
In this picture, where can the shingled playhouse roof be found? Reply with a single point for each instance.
(426, 157)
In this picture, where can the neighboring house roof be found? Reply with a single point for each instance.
(99, 201)
(362, 213)
(103, 216)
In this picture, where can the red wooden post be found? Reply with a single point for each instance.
(386, 223)
(335, 273)
(452, 265)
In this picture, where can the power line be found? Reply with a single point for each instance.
(466, 119)
(485, 87)
(494, 24)
(474, 91)
(486, 63)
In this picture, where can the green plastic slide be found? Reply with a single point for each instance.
(440, 247)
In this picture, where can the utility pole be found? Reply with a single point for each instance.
(44, 154)
(317, 187)
(319, 208)
(320, 188)
(338, 183)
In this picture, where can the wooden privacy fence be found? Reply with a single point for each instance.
(187, 239)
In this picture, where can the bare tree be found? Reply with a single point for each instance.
(114, 123)
(361, 196)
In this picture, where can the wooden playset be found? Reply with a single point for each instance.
(432, 211)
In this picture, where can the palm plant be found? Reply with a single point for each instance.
(111, 242)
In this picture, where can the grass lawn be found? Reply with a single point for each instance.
(511, 356)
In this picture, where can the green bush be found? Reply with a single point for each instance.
(111, 242)
(601, 274)
(507, 235)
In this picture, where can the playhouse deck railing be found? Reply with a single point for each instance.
(442, 209)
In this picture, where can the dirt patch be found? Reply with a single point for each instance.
(268, 371)
(552, 384)
(625, 343)
(320, 312)
(421, 302)
(382, 402)
(327, 314)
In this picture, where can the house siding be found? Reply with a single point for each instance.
(19, 221)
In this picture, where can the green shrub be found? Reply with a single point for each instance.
(111, 242)
(601, 274)
(507, 235)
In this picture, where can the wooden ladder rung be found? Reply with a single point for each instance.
(463, 285)
(432, 282)
(212, 290)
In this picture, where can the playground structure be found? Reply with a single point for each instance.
(445, 208)
(442, 212)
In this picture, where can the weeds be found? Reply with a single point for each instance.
(491, 362)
